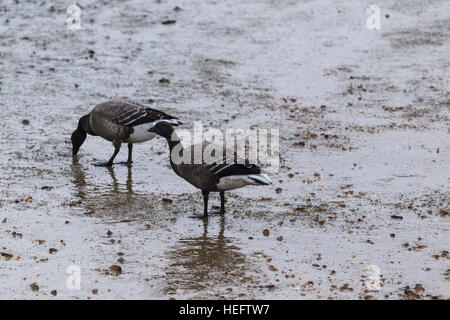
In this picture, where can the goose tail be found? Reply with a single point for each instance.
(173, 122)
(262, 179)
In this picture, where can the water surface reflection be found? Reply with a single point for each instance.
(205, 260)
(105, 195)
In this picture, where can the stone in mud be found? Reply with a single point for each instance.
(6, 256)
(419, 289)
(34, 287)
(273, 268)
(115, 270)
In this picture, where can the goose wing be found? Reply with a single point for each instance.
(229, 164)
(233, 169)
(131, 114)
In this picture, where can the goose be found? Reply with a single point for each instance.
(219, 175)
(120, 122)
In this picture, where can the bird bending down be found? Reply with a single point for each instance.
(218, 175)
(119, 122)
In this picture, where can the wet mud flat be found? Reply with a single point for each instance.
(358, 210)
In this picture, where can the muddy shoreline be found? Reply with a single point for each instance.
(363, 187)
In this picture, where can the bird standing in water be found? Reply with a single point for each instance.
(219, 175)
(120, 122)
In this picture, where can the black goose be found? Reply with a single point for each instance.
(219, 175)
(119, 122)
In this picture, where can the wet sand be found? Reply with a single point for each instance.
(364, 141)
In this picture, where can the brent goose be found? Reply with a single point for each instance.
(219, 175)
(119, 122)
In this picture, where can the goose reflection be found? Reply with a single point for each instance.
(81, 187)
(206, 258)
(110, 198)
(116, 184)
(78, 179)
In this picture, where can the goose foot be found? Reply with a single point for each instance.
(126, 163)
(198, 216)
(217, 212)
(202, 216)
(108, 164)
(103, 164)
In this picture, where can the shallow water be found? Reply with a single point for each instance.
(363, 117)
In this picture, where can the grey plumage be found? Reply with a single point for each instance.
(218, 174)
(129, 114)
(119, 121)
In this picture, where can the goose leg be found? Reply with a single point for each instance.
(205, 206)
(130, 154)
(222, 202)
(205, 203)
(110, 161)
